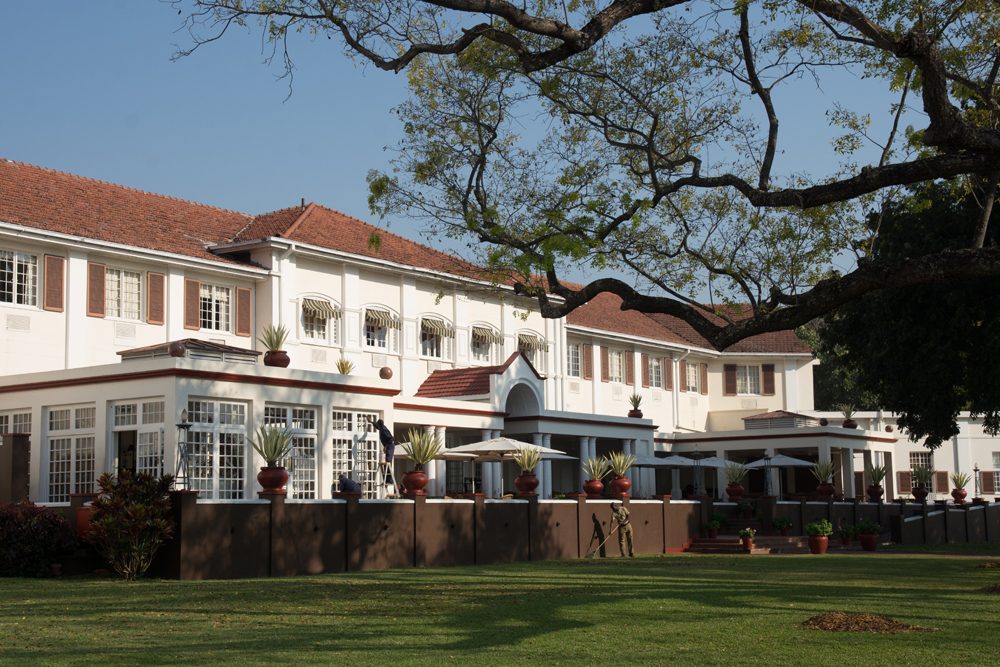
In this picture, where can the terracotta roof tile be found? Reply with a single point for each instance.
(59, 202)
(776, 414)
(776, 342)
(467, 381)
(604, 313)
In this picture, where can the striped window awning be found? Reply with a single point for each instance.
(320, 308)
(440, 327)
(487, 334)
(530, 342)
(381, 318)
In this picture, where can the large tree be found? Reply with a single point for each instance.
(925, 352)
(642, 140)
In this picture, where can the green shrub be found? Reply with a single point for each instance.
(866, 527)
(781, 522)
(131, 520)
(821, 527)
(32, 539)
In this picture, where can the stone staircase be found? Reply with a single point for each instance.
(762, 545)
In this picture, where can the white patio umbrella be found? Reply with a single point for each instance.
(779, 461)
(499, 449)
(712, 462)
(644, 461)
(443, 455)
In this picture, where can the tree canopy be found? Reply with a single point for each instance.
(926, 352)
(644, 140)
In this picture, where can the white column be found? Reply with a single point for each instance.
(539, 440)
(775, 480)
(867, 457)
(487, 468)
(547, 469)
(431, 467)
(497, 467)
(847, 464)
(629, 448)
(584, 455)
(442, 471)
(720, 476)
(676, 492)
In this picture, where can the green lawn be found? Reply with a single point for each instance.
(685, 610)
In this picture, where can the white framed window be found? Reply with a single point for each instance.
(122, 294)
(215, 308)
(656, 372)
(143, 421)
(485, 341)
(996, 470)
(15, 422)
(616, 365)
(217, 448)
(381, 330)
(533, 347)
(436, 336)
(18, 278)
(748, 380)
(320, 321)
(70, 449)
(693, 377)
(918, 459)
(301, 422)
(356, 449)
(573, 365)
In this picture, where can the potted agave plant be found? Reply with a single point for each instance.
(960, 480)
(823, 472)
(921, 476)
(867, 532)
(876, 474)
(635, 400)
(526, 459)
(595, 468)
(422, 448)
(273, 338)
(735, 473)
(848, 411)
(273, 443)
(819, 536)
(620, 463)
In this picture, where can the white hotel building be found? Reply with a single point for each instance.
(97, 280)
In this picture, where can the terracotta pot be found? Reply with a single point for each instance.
(277, 358)
(875, 493)
(824, 491)
(84, 514)
(845, 541)
(526, 483)
(735, 491)
(849, 423)
(747, 543)
(818, 544)
(594, 488)
(635, 413)
(712, 533)
(272, 479)
(869, 541)
(919, 493)
(620, 486)
(959, 496)
(823, 421)
(414, 483)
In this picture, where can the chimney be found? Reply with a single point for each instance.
(302, 203)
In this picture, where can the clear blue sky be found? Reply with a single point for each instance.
(90, 88)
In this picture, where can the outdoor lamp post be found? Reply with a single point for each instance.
(181, 473)
(699, 478)
(975, 478)
(767, 475)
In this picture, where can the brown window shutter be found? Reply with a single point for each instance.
(644, 360)
(95, 289)
(605, 374)
(987, 482)
(629, 367)
(729, 380)
(155, 297)
(682, 375)
(767, 382)
(55, 278)
(940, 481)
(667, 368)
(904, 481)
(243, 311)
(587, 350)
(192, 304)
(704, 379)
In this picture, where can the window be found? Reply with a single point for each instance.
(320, 322)
(381, 329)
(918, 459)
(435, 338)
(122, 290)
(616, 366)
(356, 449)
(748, 379)
(655, 372)
(145, 421)
(485, 342)
(15, 422)
(18, 278)
(533, 347)
(996, 471)
(217, 449)
(302, 466)
(573, 368)
(214, 309)
(692, 378)
(71, 457)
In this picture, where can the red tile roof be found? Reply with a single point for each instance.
(777, 342)
(467, 381)
(55, 201)
(776, 414)
(604, 313)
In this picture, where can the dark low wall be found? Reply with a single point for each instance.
(948, 524)
(272, 537)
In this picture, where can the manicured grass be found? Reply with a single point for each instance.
(687, 610)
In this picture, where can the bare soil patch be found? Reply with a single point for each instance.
(990, 565)
(840, 621)
(992, 588)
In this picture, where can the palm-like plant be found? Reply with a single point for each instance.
(620, 462)
(735, 472)
(876, 474)
(273, 337)
(823, 471)
(596, 467)
(345, 366)
(272, 443)
(635, 400)
(422, 447)
(526, 458)
(960, 479)
(922, 475)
